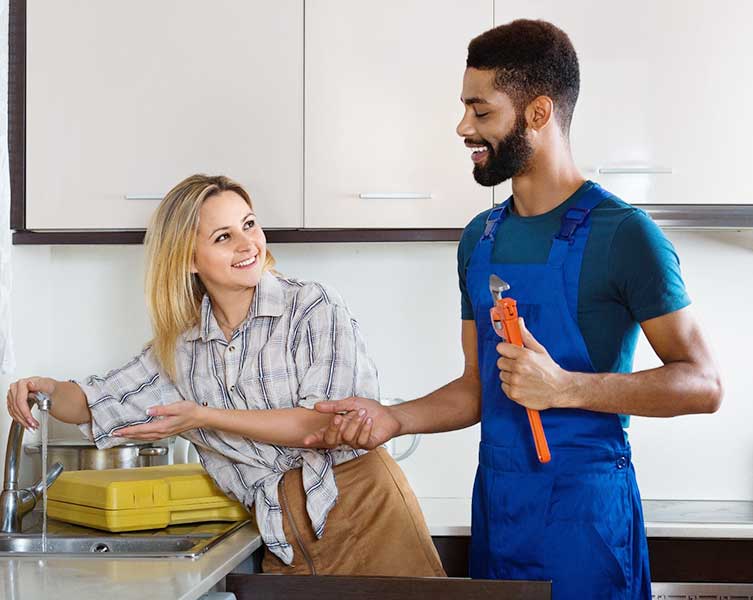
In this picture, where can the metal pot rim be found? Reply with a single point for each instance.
(36, 447)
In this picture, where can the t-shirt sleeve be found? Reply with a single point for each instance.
(645, 269)
(466, 308)
(466, 246)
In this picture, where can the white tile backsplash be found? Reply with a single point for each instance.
(79, 310)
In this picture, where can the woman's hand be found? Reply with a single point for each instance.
(171, 419)
(18, 398)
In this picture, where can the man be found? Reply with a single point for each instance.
(587, 270)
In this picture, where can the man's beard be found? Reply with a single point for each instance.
(509, 159)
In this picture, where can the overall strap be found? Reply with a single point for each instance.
(495, 219)
(574, 220)
(482, 253)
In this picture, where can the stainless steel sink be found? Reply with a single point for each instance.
(189, 541)
(147, 546)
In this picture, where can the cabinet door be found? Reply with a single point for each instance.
(125, 99)
(662, 114)
(383, 84)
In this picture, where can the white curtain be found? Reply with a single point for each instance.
(7, 358)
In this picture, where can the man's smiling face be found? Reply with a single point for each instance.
(493, 130)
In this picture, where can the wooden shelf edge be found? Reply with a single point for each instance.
(274, 236)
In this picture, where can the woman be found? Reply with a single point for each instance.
(239, 357)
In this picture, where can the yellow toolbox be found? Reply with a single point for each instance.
(140, 498)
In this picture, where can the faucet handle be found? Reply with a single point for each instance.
(52, 475)
(42, 400)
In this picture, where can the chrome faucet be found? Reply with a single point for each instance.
(15, 503)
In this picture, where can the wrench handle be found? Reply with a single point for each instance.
(505, 321)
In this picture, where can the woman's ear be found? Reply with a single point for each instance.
(194, 270)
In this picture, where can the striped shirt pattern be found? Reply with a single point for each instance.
(298, 345)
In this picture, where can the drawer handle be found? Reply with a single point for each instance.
(634, 170)
(395, 196)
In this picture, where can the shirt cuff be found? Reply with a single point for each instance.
(308, 402)
(86, 430)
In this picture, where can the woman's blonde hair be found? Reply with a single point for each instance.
(173, 293)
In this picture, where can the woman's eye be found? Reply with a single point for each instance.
(481, 115)
(221, 237)
(249, 224)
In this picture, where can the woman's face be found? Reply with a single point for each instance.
(230, 245)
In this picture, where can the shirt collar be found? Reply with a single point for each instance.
(269, 301)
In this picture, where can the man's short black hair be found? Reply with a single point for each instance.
(531, 58)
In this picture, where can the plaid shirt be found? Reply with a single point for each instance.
(298, 345)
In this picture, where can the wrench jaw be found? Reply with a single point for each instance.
(497, 287)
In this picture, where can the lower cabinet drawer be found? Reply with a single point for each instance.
(672, 560)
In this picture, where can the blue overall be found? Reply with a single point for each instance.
(576, 520)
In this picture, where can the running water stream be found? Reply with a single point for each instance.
(43, 432)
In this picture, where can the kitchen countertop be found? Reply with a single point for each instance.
(92, 578)
(89, 578)
(728, 519)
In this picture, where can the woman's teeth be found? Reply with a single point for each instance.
(245, 263)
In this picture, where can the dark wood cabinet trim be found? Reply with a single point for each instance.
(701, 560)
(274, 236)
(304, 587)
(689, 560)
(17, 112)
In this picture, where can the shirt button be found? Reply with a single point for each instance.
(232, 388)
(231, 348)
(621, 462)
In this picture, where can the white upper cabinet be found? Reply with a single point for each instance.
(125, 99)
(383, 85)
(663, 112)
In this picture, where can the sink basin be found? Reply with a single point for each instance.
(189, 541)
(134, 546)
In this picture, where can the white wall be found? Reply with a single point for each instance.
(79, 310)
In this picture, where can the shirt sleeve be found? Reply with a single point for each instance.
(331, 359)
(466, 246)
(120, 398)
(645, 269)
(466, 308)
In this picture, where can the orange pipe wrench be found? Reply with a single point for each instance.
(504, 314)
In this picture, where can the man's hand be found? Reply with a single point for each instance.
(175, 418)
(366, 424)
(529, 375)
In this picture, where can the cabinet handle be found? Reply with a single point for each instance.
(395, 196)
(634, 170)
(143, 197)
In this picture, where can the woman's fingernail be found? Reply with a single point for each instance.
(369, 421)
(337, 420)
(150, 412)
(362, 412)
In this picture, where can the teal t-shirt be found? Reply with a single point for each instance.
(630, 273)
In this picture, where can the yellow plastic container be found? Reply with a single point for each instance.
(141, 498)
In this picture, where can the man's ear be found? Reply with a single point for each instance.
(540, 112)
